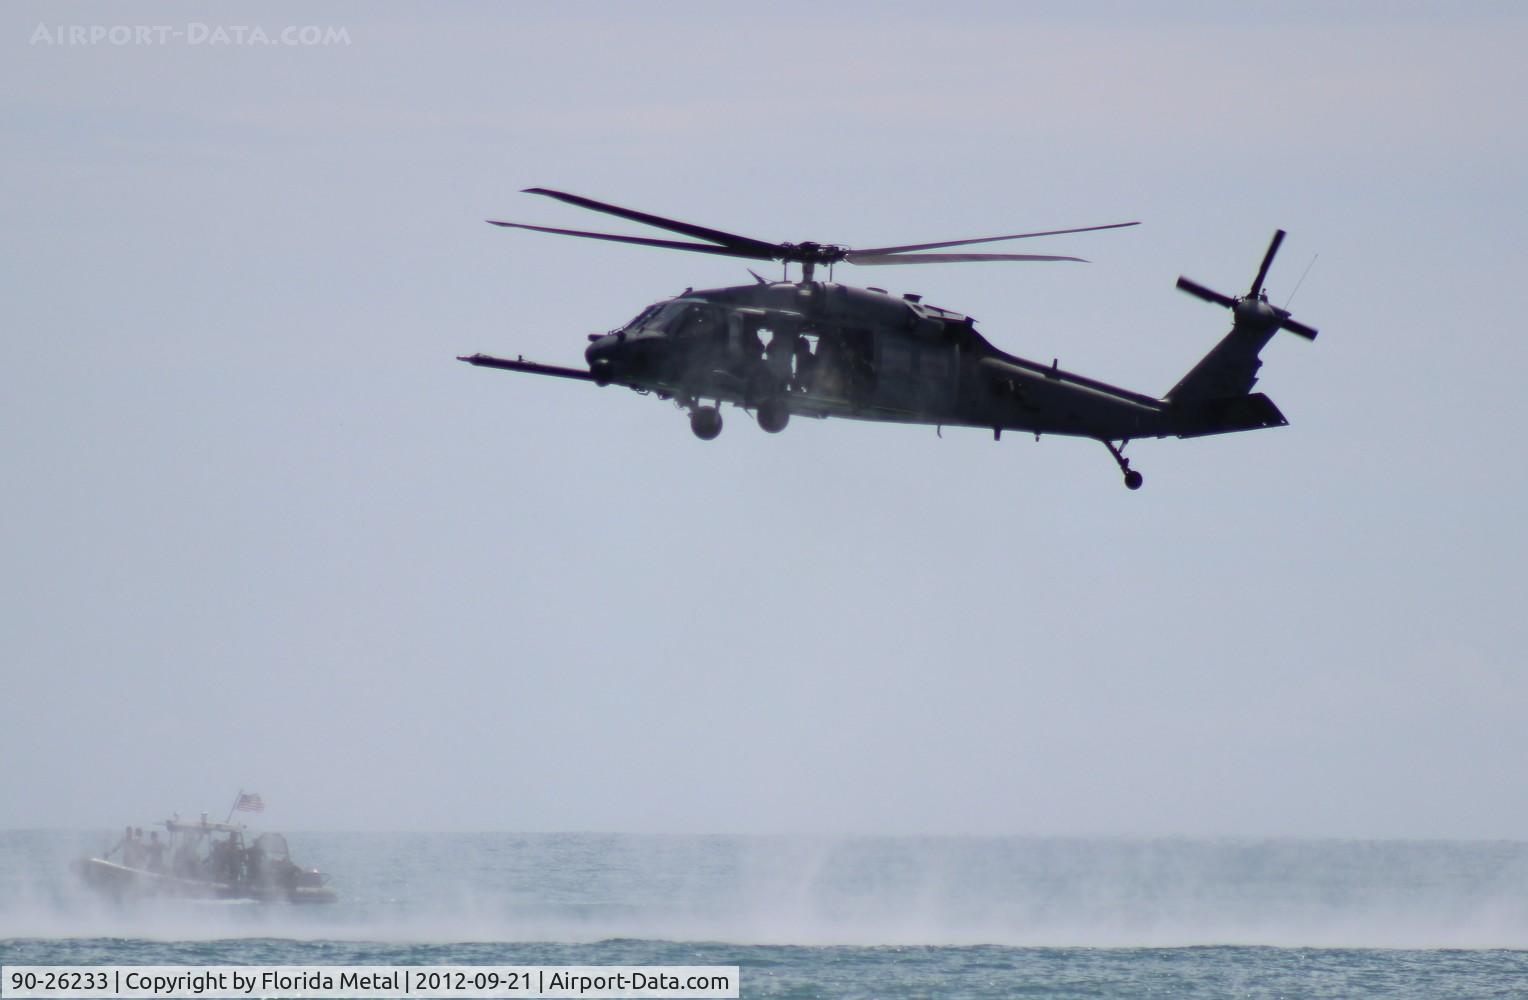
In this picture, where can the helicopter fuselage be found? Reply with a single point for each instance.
(826, 349)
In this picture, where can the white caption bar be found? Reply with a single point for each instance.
(365, 982)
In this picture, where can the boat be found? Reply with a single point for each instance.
(202, 860)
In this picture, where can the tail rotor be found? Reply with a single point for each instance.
(1254, 307)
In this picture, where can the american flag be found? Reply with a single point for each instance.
(249, 803)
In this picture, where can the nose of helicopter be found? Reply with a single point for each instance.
(603, 356)
(625, 356)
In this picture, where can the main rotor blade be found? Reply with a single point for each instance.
(1262, 272)
(767, 254)
(1209, 295)
(856, 257)
(991, 239)
(758, 249)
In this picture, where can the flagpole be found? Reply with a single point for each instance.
(236, 800)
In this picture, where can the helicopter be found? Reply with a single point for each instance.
(811, 348)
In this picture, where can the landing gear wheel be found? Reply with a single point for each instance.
(774, 414)
(1133, 480)
(706, 422)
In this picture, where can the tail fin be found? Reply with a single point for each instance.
(1230, 369)
(1214, 396)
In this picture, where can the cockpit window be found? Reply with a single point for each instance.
(642, 316)
(664, 318)
(688, 319)
(699, 321)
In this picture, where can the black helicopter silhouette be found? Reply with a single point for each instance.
(819, 349)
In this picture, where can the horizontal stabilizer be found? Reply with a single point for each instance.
(1233, 413)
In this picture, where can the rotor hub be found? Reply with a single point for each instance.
(813, 253)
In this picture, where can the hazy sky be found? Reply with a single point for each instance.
(262, 531)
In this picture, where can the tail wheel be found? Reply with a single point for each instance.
(1133, 479)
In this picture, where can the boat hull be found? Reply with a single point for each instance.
(124, 882)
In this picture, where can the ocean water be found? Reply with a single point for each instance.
(844, 917)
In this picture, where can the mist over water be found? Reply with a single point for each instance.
(864, 891)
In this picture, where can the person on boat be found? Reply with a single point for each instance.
(225, 860)
(127, 836)
(184, 861)
(133, 850)
(254, 864)
(154, 852)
